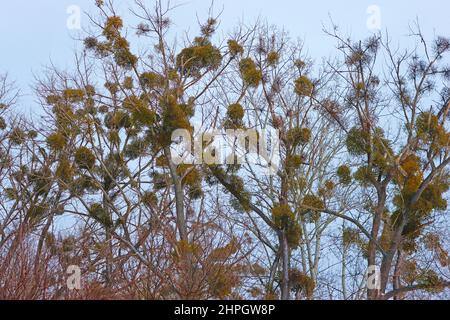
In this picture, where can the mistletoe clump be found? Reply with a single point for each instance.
(298, 136)
(97, 212)
(251, 75)
(351, 236)
(431, 132)
(303, 86)
(300, 281)
(115, 44)
(235, 48)
(84, 158)
(235, 114)
(73, 95)
(149, 199)
(344, 174)
(192, 178)
(294, 161)
(152, 80)
(202, 55)
(174, 116)
(313, 205)
(285, 219)
(17, 136)
(65, 171)
(361, 142)
(272, 58)
(117, 120)
(56, 141)
(141, 113)
(282, 215)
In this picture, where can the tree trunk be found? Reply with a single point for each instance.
(285, 292)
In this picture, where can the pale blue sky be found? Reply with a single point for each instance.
(35, 32)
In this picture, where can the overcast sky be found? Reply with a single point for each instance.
(33, 33)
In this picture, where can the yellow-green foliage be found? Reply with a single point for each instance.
(251, 75)
(293, 234)
(300, 281)
(431, 282)
(237, 185)
(17, 136)
(97, 212)
(149, 199)
(68, 244)
(411, 165)
(143, 115)
(432, 198)
(359, 86)
(152, 80)
(140, 111)
(316, 204)
(360, 142)
(294, 161)
(223, 253)
(112, 87)
(235, 48)
(120, 43)
(272, 58)
(174, 116)
(350, 236)
(298, 136)
(41, 180)
(37, 211)
(363, 175)
(112, 27)
(64, 171)
(222, 279)
(124, 58)
(327, 189)
(430, 131)
(161, 161)
(282, 215)
(344, 174)
(84, 158)
(209, 27)
(414, 176)
(81, 184)
(409, 271)
(56, 141)
(90, 90)
(114, 137)
(285, 219)
(73, 95)
(303, 86)
(53, 99)
(235, 112)
(117, 120)
(136, 148)
(10, 193)
(128, 83)
(199, 56)
(299, 63)
(195, 191)
(191, 176)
